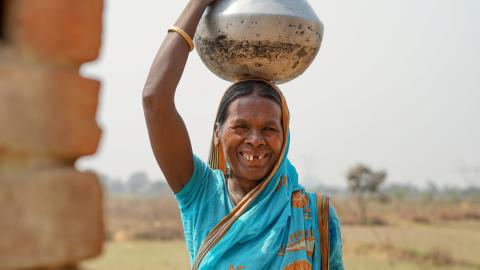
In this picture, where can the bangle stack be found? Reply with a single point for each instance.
(184, 35)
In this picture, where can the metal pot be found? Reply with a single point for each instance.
(275, 40)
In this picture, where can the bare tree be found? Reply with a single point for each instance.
(363, 181)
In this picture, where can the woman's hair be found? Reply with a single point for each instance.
(242, 89)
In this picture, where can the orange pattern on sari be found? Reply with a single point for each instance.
(299, 199)
(299, 265)
(301, 240)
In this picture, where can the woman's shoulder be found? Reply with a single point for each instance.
(203, 181)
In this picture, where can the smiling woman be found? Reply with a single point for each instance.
(244, 209)
(249, 127)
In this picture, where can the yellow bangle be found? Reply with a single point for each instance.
(184, 35)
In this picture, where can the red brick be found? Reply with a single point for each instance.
(47, 113)
(64, 31)
(49, 218)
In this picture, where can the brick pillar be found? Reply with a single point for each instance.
(50, 213)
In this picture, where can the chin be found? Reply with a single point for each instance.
(251, 173)
(255, 177)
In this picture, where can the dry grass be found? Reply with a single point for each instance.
(449, 245)
(408, 211)
(142, 219)
(366, 248)
(413, 235)
(159, 218)
(141, 255)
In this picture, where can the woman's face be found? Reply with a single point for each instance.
(252, 137)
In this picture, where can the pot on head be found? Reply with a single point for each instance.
(275, 40)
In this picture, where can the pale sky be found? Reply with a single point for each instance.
(396, 86)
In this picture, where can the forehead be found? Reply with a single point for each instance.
(254, 108)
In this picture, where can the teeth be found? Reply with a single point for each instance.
(252, 157)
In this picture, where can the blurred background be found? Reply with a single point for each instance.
(394, 94)
(395, 85)
(386, 120)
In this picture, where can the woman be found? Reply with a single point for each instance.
(245, 209)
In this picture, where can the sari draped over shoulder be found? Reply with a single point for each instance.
(273, 227)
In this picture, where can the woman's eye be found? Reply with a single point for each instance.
(240, 127)
(270, 129)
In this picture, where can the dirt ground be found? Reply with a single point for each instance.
(146, 234)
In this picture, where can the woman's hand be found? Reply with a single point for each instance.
(191, 15)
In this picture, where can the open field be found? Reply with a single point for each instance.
(146, 235)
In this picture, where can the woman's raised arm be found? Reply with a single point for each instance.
(168, 135)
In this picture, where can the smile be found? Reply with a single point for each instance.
(252, 156)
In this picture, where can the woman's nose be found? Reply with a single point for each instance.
(255, 138)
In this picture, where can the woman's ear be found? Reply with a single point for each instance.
(216, 134)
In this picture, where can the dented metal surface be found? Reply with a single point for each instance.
(274, 40)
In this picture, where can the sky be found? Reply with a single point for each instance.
(395, 86)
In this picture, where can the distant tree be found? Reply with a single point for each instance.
(402, 191)
(117, 186)
(137, 181)
(104, 180)
(431, 190)
(158, 188)
(363, 181)
(471, 175)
